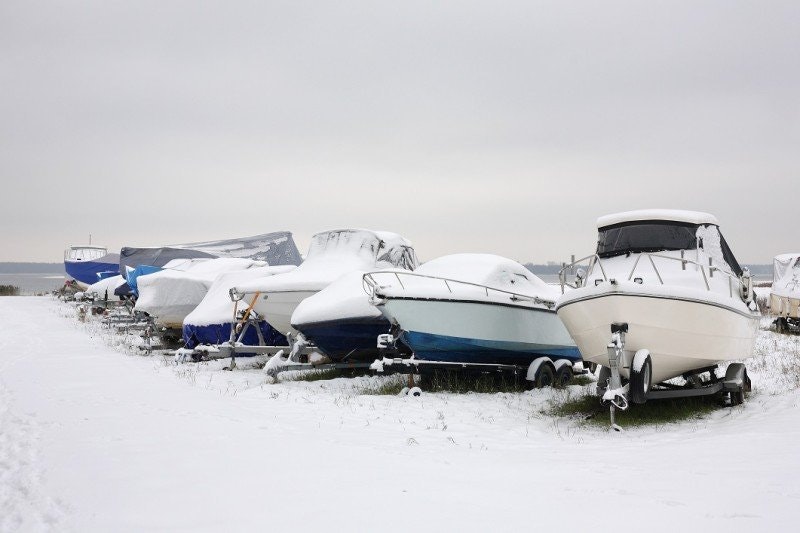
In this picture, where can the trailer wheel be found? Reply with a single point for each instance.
(563, 376)
(737, 397)
(641, 376)
(545, 376)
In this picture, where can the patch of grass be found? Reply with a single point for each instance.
(581, 380)
(461, 382)
(9, 290)
(655, 412)
(390, 387)
(315, 375)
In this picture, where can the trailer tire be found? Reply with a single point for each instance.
(641, 373)
(563, 376)
(545, 376)
(737, 397)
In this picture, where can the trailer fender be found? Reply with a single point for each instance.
(533, 368)
(561, 362)
(736, 378)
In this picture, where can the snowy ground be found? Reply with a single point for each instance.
(95, 439)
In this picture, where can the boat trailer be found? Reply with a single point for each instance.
(542, 372)
(639, 389)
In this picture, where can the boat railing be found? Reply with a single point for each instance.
(733, 280)
(373, 287)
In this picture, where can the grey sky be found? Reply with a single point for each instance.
(504, 127)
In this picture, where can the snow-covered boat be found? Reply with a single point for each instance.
(173, 292)
(473, 308)
(104, 289)
(784, 298)
(663, 297)
(87, 264)
(341, 321)
(277, 248)
(211, 321)
(330, 255)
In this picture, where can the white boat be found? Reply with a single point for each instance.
(784, 298)
(473, 308)
(104, 289)
(666, 290)
(170, 294)
(331, 255)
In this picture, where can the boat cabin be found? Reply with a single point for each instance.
(84, 253)
(660, 230)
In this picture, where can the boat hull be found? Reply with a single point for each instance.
(347, 339)
(276, 307)
(89, 272)
(479, 332)
(194, 335)
(681, 333)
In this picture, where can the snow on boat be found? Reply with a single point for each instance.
(331, 255)
(104, 289)
(87, 264)
(173, 292)
(211, 321)
(277, 248)
(784, 299)
(341, 321)
(473, 308)
(666, 290)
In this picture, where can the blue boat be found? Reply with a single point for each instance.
(348, 339)
(88, 264)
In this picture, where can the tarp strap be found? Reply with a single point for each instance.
(249, 308)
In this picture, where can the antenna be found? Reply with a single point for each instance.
(90, 238)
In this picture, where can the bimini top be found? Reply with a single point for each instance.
(666, 215)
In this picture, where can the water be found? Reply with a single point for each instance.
(34, 283)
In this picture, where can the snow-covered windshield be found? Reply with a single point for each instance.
(375, 247)
(645, 236)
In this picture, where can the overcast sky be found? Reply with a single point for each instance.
(503, 127)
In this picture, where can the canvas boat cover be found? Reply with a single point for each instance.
(277, 248)
(211, 321)
(335, 253)
(786, 275)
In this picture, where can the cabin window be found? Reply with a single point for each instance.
(645, 236)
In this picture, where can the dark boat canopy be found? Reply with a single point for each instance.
(640, 236)
(276, 248)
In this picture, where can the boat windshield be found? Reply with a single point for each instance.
(659, 236)
(401, 257)
(645, 236)
(84, 254)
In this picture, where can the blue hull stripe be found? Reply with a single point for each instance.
(219, 333)
(462, 350)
